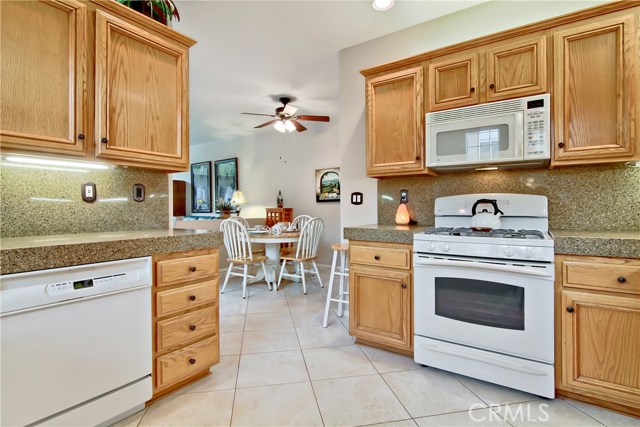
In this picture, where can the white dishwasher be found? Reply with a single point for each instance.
(75, 343)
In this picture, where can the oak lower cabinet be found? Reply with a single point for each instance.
(43, 58)
(381, 295)
(598, 331)
(596, 90)
(185, 318)
(395, 124)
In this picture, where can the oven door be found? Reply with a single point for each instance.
(491, 139)
(505, 307)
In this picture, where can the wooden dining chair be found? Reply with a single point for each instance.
(306, 251)
(240, 256)
(298, 223)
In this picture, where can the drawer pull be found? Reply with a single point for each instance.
(561, 144)
(80, 136)
(404, 286)
(377, 257)
(621, 279)
(473, 89)
(570, 309)
(104, 140)
(192, 361)
(492, 86)
(192, 297)
(192, 268)
(192, 327)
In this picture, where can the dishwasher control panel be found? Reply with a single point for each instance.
(70, 286)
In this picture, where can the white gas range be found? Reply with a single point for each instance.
(483, 300)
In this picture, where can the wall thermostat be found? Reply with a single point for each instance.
(138, 192)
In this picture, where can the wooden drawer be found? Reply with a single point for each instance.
(185, 297)
(182, 364)
(382, 256)
(188, 269)
(615, 275)
(186, 328)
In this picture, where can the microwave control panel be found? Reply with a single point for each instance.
(537, 128)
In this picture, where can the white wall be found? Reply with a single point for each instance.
(269, 161)
(478, 21)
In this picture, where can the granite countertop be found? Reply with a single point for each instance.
(622, 244)
(18, 254)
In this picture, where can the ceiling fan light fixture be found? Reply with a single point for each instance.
(382, 5)
(279, 126)
(289, 126)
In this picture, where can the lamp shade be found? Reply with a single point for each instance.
(383, 4)
(402, 215)
(279, 126)
(238, 198)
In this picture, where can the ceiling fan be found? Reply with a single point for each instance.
(285, 118)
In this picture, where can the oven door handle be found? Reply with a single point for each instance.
(488, 360)
(481, 265)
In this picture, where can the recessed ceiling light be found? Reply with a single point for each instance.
(383, 4)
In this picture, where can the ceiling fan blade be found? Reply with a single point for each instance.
(314, 118)
(298, 125)
(289, 110)
(257, 114)
(270, 122)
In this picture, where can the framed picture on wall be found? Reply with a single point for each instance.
(226, 173)
(328, 185)
(201, 187)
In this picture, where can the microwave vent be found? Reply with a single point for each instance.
(484, 110)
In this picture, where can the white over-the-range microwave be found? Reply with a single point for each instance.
(511, 133)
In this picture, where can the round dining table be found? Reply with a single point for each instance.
(272, 246)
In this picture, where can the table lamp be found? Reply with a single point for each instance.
(238, 199)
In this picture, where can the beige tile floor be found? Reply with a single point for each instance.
(280, 367)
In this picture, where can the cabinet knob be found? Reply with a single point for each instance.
(561, 144)
(621, 279)
(404, 286)
(377, 257)
(192, 268)
(104, 140)
(81, 136)
(192, 327)
(192, 361)
(192, 297)
(417, 157)
(570, 309)
(473, 89)
(492, 86)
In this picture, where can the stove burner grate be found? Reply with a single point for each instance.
(499, 233)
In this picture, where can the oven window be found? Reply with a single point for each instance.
(480, 302)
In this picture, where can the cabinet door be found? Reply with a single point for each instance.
(43, 62)
(453, 82)
(395, 123)
(381, 306)
(595, 90)
(601, 338)
(141, 96)
(517, 69)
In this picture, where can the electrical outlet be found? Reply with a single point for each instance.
(404, 196)
(88, 192)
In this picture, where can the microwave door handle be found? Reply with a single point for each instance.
(519, 135)
(481, 265)
(484, 359)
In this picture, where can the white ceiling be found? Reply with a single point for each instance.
(249, 53)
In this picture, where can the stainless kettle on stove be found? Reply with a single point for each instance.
(485, 220)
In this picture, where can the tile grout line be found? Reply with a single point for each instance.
(235, 386)
(580, 410)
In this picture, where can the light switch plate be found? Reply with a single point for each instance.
(356, 198)
(88, 192)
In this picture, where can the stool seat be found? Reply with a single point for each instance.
(342, 272)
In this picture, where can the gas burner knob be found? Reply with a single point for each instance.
(529, 252)
(432, 246)
(444, 247)
(509, 251)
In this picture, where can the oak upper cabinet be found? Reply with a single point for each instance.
(516, 68)
(598, 310)
(507, 69)
(380, 291)
(596, 90)
(44, 64)
(453, 81)
(395, 124)
(141, 95)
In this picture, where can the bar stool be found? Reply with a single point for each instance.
(343, 272)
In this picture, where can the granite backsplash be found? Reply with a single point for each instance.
(580, 198)
(35, 201)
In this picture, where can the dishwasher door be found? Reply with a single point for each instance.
(69, 353)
